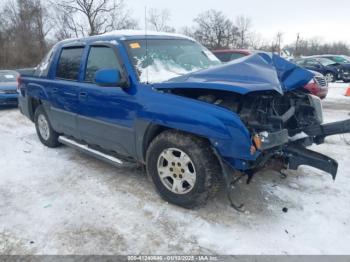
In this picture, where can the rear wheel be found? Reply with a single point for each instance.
(183, 168)
(43, 128)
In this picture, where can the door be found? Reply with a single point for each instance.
(106, 113)
(64, 92)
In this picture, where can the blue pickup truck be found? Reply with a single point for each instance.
(165, 101)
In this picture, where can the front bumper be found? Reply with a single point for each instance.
(293, 153)
(8, 99)
(345, 76)
(296, 154)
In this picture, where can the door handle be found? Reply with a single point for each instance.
(54, 90)
(82, 95)
(70, 94)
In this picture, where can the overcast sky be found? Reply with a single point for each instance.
(329, 20)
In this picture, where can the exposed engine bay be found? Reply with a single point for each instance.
(266, 111)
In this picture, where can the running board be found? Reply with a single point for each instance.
(90, 151)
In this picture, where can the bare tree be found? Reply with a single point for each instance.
(186, 30)
(315, 46)
(243, 25)
(277, 43)
(159, 19)
(296, 49)
(25, 25)
(214, 30)
(91, 17)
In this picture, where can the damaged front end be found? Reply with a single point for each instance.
(282, 118)
(267, 93)
(281, 127)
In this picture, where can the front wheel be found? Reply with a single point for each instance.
(330, 77)
(46, 134)
(183, 168)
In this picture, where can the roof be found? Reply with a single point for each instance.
(126, 34)
(241, 51)
(8, 72)
(323, 55)
(131, 33)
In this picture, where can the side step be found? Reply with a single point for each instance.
(92, 152)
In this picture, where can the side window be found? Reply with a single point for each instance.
(311, 63)
(100, 57)
(223, 57)
(69, 63)
(237, 56)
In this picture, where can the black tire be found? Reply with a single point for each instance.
(52, 139)
(206, 166)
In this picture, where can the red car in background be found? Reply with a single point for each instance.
(318, 86)
(227, 55)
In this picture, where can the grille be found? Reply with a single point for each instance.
(321, 81)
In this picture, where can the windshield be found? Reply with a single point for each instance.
(7, 76)
(340, 59)
(325, 61)
(347, 58)
(166, 59)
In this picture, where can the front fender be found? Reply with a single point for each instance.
(223, 128)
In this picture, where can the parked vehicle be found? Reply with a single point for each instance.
(26, 71)
(8, 88)
(326, 67)
(227, 55)
(167, 102)
(317, 86)
(342, 62)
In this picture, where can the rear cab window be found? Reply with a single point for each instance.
(68, 66)
(42, 69)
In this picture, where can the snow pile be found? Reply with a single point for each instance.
(337, 92)
(160, 71)
(59, 201)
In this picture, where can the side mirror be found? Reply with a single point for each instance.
(108, 77)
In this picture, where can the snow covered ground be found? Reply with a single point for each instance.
(59, 201)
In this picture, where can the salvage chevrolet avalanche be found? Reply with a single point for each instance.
(165, 101)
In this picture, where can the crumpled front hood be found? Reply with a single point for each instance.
(257, 72)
